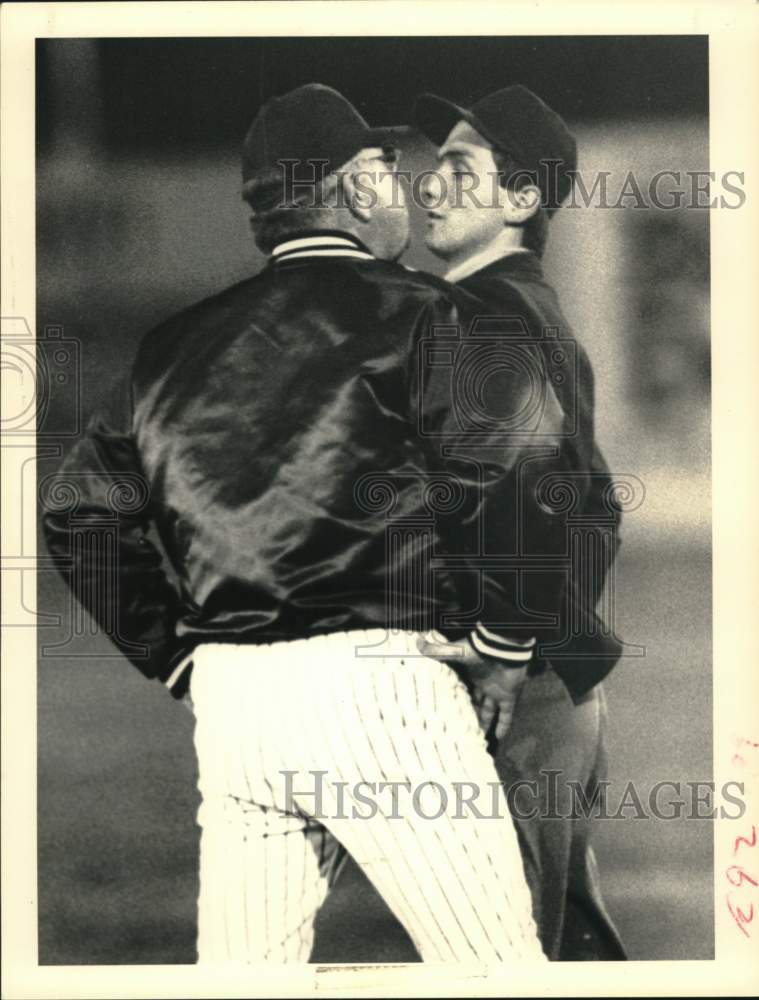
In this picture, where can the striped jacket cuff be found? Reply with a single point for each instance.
(507, 650)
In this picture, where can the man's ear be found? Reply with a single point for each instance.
(356, 196)
(520, 205)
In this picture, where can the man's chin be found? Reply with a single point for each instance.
(439, 247)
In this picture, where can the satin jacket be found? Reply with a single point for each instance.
(259, 475)
(306, 452)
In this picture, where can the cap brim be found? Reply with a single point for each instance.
(388, 135)
(435, 117)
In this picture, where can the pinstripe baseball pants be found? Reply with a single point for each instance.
(288, 737)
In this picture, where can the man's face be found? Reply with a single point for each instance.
(381, 186)
(461, 223)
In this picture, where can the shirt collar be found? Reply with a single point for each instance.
(320, 244)
(479, 260)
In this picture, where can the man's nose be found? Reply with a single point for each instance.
(432, 189)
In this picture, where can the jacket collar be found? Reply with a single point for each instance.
(477, 261)
(320, 243)
(523, 264)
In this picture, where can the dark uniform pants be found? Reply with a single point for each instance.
(557, 744)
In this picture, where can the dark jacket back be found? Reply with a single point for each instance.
(268, 434)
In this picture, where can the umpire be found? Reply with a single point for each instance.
(504, 167)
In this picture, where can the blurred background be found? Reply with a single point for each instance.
(139, 214)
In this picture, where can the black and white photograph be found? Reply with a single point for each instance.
(365, 429)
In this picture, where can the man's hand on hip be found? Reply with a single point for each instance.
(496, 688)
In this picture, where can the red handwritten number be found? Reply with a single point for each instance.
(745, 840)
(739, 916)
(735, 874)
(742, 876)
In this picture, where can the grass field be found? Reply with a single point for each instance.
(117, 837)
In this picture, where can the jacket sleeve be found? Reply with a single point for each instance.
(472, 402)
(97, 509)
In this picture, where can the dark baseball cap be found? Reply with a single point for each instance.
(312, 123)
(517, 122)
